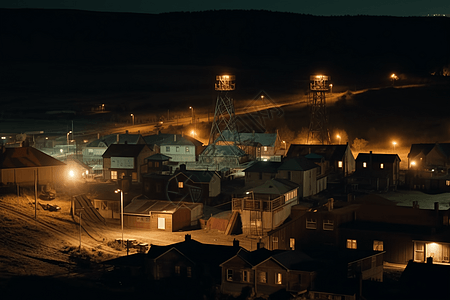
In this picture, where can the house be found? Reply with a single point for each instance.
(180, 148)
(266, 207)
(428, 166)
(223, 156)
(23, 166)
(377, 171)
(266, 272)
(184, 185)
(157, 163)
(338, 160)
(161, 215)
(258, 146)
(190, 259)
(125, 160)
(93, 151)
(299, 170)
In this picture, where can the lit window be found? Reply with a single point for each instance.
(187, 149)
(177, 270)
(292, 243)
(229, 274)
(447, 182)
(167, 149)
(265, 148)
(340, 164)
(263, 277)
(351, 244)
(364, 165)
(113, 175)
(279, 278)
(275, 243)
(311, 224)
(328, 224)
(245, 276)
(377, 245)
(180, 184)
(381, 166)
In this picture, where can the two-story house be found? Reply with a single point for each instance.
(125, 160)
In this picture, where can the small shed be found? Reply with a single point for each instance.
(161, 215)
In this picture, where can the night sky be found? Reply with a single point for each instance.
(402, 8)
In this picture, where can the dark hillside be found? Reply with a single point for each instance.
(351, 45)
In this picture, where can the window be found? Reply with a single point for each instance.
(364, 165)
(340, 164)
(156, 164)
(245, 276)
(187, 149)
(229, 274)
(180, 184)
(177, 149)
(265, 148)
(351, 244)
(177, 270)
(328, 224)
(113, 175)
(161, 223)
(377, 245)
(311, 224)
(292, 243)
(381, 166)
(447, 182)
(167, 149)
(279, 278)
(263, 277)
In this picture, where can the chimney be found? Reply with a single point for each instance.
(429, 260)
(182, 167)
(330, 204)
(126, 131)
(235, 243)
(187, 238)
(436, 206)
(259, 245)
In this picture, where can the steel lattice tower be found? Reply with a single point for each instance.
(318, 126)
(224, 115)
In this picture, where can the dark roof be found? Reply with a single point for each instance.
(376, 157)
(300, 163)
(123, 150)
(264, 167)
(25, 157)
(426, 148)
(264, 139)
(197, 252)
(419, 231)
(158, 157)
(329, 152)
(198, 176)
(275, 187)
(112, 139)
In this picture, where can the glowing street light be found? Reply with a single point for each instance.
(393, 144)
(132, 118)
(192, 111)
(331, 88)
(394, 78)
(121, 209)
(339, 137)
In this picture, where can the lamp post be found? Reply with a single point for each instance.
(393, 144)
(132, 118)
(68, 141)
(121, 209)
(193, 119)
(331, 88)
(339, 137)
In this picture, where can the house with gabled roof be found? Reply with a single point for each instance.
(428, 166)
(259, 146)
(93, 151)
(338, 160)
(157, 163)
(124, 161)
(23, 165)
(377, 171)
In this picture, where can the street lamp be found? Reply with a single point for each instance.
(339, 137)
(132, 118)
(192, 113)
(121, 209)
(331, 88)
(394, 143)
(68, 141)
